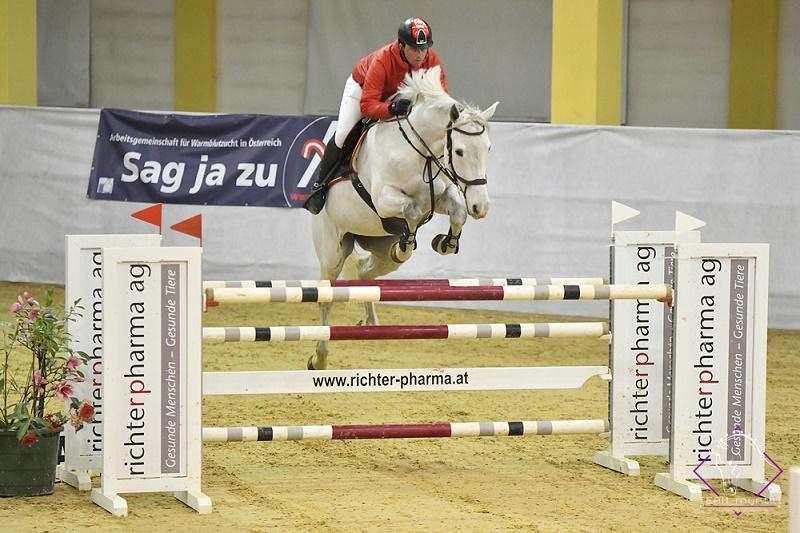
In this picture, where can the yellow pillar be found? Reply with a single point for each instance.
(753, 88)
(587, 62)
(18, 85)
(196, 55)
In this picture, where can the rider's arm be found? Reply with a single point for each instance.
(372, 91)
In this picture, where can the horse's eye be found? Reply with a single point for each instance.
(460, 152)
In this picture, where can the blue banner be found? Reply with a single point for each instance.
(257, 160)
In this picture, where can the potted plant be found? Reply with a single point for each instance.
(38, 366)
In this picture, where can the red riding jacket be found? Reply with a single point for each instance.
(379, 75)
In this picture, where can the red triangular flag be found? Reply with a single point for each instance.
(191, 226)
(151, 215)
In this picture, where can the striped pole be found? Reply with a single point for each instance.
(444, 331)
(424, 293)
(451, 282)
(404, 431)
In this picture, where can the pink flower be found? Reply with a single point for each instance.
(15, 307)
(33, 313)
(72, 363)
(86, 412)
(64, 390)
(26, 295)
(38, 381)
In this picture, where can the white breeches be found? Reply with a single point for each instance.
(349, 111)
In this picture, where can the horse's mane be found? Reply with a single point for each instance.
(426, 85)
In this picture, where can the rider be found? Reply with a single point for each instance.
(373, 81)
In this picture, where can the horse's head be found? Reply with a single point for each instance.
(456, 133)
(467, 148)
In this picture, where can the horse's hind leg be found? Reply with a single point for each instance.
(353, 268)
(332, 248)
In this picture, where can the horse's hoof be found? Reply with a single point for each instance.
(398, 255)
(321, 365)
(443, 245)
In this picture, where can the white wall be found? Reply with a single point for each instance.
(551, 188)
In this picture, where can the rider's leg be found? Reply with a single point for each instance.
(349, 115)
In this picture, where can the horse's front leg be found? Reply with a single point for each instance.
(450, 203)
(392, 202)
(319, 361)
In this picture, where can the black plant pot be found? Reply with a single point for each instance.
(27, 470)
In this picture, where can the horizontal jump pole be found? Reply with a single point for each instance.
(399, 380)
(405, 431)
(433, 293)
(451, 282)
(419, 332)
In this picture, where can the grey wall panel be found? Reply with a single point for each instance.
(262, 56)
(133, 47)
(678, 55)
(491, 50)
(789, 66)
(63, 49)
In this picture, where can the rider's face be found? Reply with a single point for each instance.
(414, 56)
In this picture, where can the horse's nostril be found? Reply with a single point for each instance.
(475, 208)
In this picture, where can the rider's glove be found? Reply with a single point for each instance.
(400, 107)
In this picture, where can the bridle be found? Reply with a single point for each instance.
(431, 159)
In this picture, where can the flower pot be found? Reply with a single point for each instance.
(28, 470)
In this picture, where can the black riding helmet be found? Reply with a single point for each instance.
(416, 33)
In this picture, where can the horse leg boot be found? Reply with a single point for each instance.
(330, 161)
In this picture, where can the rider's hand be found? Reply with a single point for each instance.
(400, 107)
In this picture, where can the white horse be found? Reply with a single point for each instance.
(432, 161)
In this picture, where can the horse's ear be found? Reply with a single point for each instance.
(454, 113)
(488, 113)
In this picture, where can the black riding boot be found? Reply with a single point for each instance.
(329, 163)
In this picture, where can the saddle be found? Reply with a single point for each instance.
(344, 167)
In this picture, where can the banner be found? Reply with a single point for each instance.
(257, 160)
